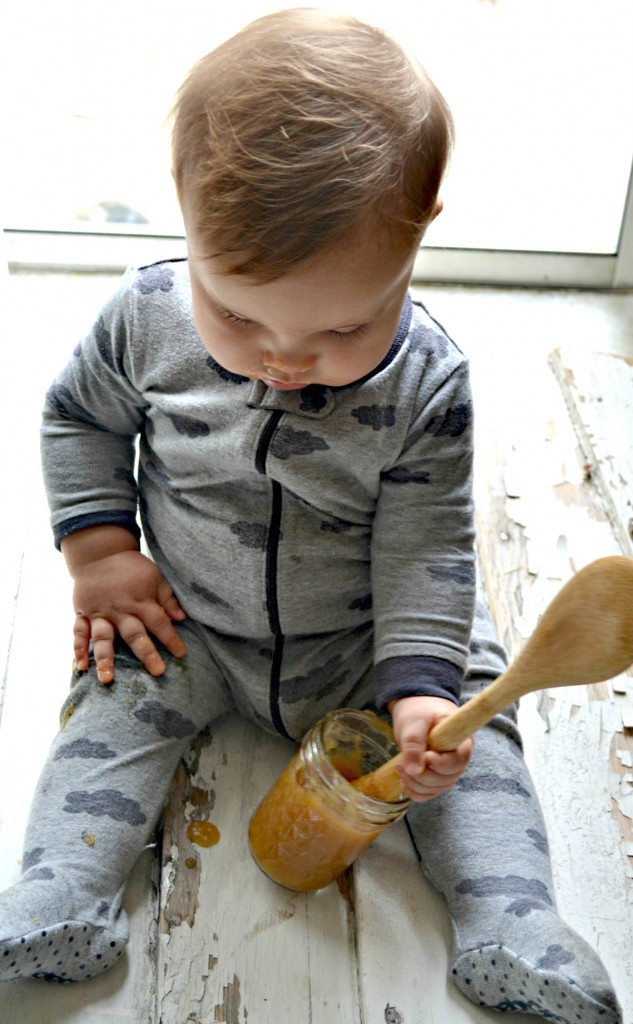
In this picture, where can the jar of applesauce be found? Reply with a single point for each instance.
(313, 823)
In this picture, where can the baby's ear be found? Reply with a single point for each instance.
(437, 209)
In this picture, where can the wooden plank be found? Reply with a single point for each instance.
(36, 685)
(540, 519)
(598, 390)
(234, 946)
(404, 931)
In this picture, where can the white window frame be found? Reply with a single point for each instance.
(114, 250)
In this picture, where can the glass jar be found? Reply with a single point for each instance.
(313, 823)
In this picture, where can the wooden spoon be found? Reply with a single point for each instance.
(584, 636)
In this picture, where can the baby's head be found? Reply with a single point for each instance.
(302, 128)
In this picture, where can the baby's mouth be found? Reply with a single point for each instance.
(270, 377)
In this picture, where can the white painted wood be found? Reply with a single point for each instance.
(404, 940)
(588, 811)
(598, 388)
(246, 949)
(533, 534)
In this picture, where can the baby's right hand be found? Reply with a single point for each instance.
(124, 592)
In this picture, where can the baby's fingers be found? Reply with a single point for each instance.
(160, 625)
(450, 762)
(170, 603)
(103, 649)
(81, 642)
(133, 632)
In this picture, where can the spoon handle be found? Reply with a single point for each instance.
(584, 636)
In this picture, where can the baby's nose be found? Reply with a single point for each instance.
(296, 364)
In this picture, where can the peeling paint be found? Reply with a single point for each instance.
(621, 789)
(228, 1011)
(181, 866)
(393, 1016)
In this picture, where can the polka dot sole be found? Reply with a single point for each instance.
(63, 953)
(494, 977)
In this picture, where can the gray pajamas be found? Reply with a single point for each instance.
(321, 543)
(287, 515)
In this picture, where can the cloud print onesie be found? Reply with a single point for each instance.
(321, 543)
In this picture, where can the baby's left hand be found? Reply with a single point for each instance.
(426, 773)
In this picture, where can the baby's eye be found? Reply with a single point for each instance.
(233, 317)
(349, 332)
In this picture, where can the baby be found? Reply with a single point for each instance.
(303, 479)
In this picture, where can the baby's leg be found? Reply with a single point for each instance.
(95, 808)
(483, 845)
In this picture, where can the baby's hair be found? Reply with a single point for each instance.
(300, 128)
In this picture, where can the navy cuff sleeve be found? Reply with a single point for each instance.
(125, 519)
(417, 676)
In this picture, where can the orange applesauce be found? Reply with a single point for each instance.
(312, 824)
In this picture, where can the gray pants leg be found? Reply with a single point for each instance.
(483, 845)
(97, 803)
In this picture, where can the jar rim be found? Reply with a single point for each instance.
(341, 792)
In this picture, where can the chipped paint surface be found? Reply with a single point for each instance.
(393, 1016)
(235, 947)
(227, 1012)
(541, 520)
(599, 394)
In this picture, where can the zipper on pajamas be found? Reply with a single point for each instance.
(272, 550)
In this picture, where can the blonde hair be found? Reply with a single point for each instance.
(299, 128)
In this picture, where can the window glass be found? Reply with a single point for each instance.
(541, 91)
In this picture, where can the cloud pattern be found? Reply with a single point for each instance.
(109, 803)
(335, 525)
(555, 956)
(251, 535)
(167, 722)
(225, 375)
(190, 426)
(316, 684)
(526, 893)
(451, 423)
(539, 840)
(160, 477)
(288, 442)
(488, 783)
(84, 747)
(103, 341)
(375, 416)
(402, 475)
(208, 595)
(463, 575)
(63, 400)
(155, 278)
(429, 343)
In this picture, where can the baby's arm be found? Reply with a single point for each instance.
(117, 589)
(426, 773)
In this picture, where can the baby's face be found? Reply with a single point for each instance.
(331, 321)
